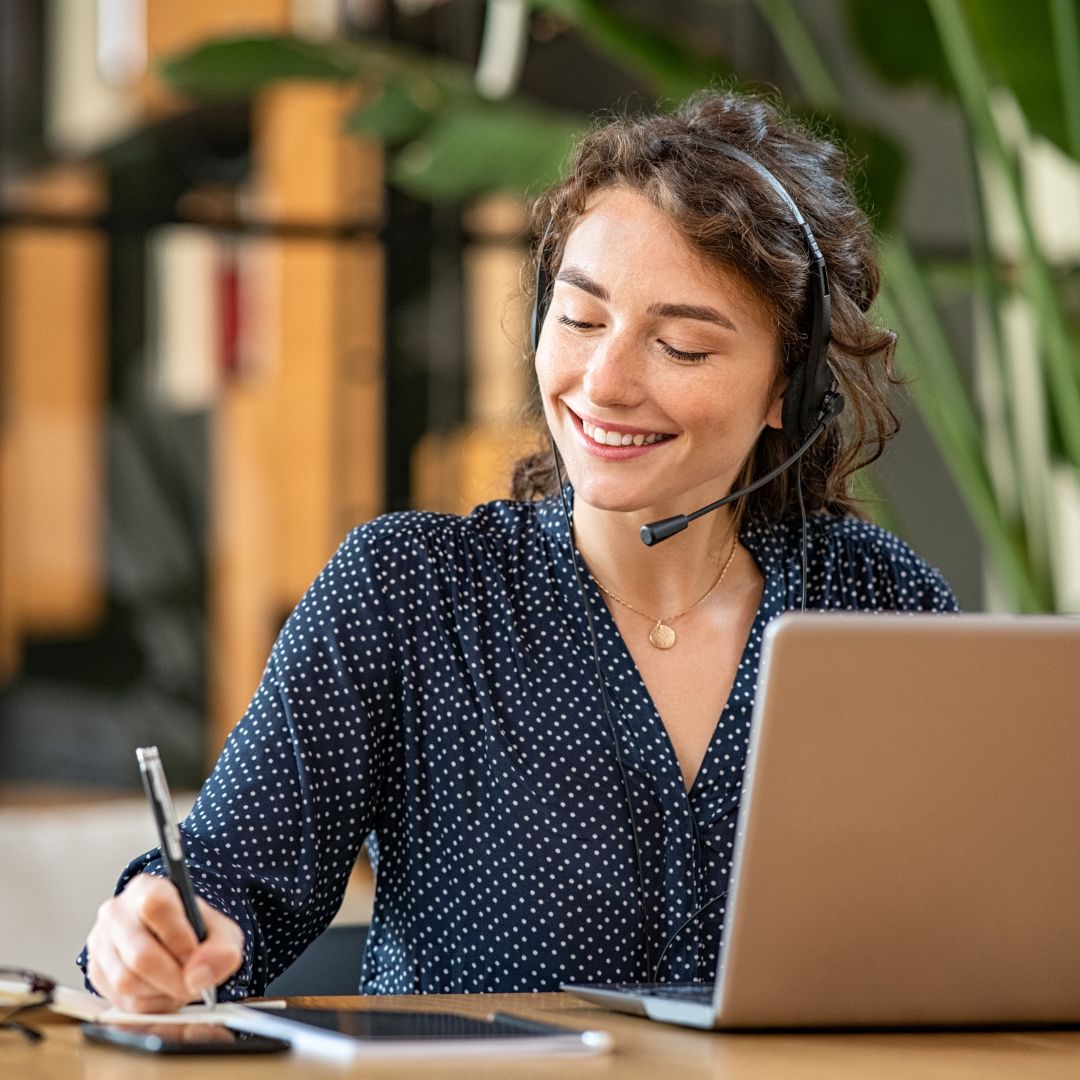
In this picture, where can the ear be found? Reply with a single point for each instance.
(774, 418)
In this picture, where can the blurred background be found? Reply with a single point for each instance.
(259, 263)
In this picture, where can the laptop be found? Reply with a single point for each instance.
(908, 846)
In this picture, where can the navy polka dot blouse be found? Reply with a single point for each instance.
(435, 693)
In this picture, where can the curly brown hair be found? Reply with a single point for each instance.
(732, 216)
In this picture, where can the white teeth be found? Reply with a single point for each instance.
(616, 438)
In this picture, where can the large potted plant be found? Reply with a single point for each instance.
(1013, 447)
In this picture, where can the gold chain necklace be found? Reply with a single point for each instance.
(661, 635)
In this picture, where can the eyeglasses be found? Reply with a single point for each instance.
(21, 989)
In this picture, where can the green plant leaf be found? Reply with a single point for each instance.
(899, 40)
(797, 44)
(399, 110)
(1067, 42)
(1016, 41)
(234, 67)
(1017, 45)
(1036, 282)
(485, 146)
(455, 144)
(237, 67)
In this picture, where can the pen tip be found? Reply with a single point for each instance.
(209, 998)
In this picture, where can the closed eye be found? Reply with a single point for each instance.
(678, 354)
(669, 350)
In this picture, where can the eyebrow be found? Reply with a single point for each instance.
(701, 312)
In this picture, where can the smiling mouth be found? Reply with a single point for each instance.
(621, 438)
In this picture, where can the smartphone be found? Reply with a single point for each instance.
(183, 1039)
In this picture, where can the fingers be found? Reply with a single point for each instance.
(129, 963)
(216, 958)
(157, 905)
(145, 957)
(116, 982)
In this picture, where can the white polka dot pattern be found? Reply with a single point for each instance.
(435, 689)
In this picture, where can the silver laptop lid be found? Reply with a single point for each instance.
(909, 842)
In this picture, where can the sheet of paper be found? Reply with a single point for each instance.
(83, 1005)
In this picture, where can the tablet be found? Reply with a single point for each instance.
(405, 1033)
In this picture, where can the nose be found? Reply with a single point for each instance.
(613, 375)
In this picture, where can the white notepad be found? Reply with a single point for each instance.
(83, 1005)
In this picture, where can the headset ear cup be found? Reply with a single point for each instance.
(793, 395)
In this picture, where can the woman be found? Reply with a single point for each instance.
(537, 758)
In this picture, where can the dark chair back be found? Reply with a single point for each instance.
(330, 965)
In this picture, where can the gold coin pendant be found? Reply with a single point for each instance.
(662, 636)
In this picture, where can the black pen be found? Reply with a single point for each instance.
(172, 847)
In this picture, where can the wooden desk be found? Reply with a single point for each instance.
(643, 1049)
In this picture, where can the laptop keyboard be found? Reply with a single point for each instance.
(696, 992)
